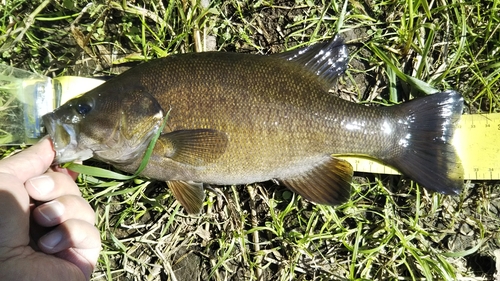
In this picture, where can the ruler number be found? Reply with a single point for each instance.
(498, 127)
(472, 126)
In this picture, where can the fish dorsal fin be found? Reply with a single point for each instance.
(191, 195)
(194, 147)
(328, 60)
(328, 183)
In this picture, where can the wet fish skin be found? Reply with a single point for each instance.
(241, 118)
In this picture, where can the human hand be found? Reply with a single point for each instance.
(47, 229)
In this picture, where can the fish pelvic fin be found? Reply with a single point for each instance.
(425, 153)
(328, 60)
(191, 195)
(328, 183)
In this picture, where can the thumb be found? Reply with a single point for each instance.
(14, 200)
(31, 162)
(14, 210)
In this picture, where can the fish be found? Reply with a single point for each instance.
(237, 118)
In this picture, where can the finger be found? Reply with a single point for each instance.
(75, 241)
(51, 185)
(84, 259)
(68, 172)
(30, 162)
(70, 234)
(62, 209)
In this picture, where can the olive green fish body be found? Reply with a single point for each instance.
(241, 118)
(269, 110)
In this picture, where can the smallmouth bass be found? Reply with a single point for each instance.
(241, 118)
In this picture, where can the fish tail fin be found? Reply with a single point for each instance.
(425, 153)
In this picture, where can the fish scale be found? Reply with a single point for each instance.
(266, 124)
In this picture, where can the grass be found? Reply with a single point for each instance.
(391, 229)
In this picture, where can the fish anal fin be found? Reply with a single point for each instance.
(191, 195)
(194, 147)
(328, 183)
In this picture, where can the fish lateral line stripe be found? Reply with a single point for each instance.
(476, 138)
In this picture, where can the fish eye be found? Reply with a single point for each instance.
(83, 108)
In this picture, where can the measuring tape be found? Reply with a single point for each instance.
(476, 140)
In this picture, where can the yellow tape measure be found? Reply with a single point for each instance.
(477, 141)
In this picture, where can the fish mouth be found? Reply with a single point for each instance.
(64, 139)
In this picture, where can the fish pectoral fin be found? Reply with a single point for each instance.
(195, 147)
(191, 195)
(328, 183)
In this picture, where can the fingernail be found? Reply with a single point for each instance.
(51, 210)
(43, 184)
(51, 239)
